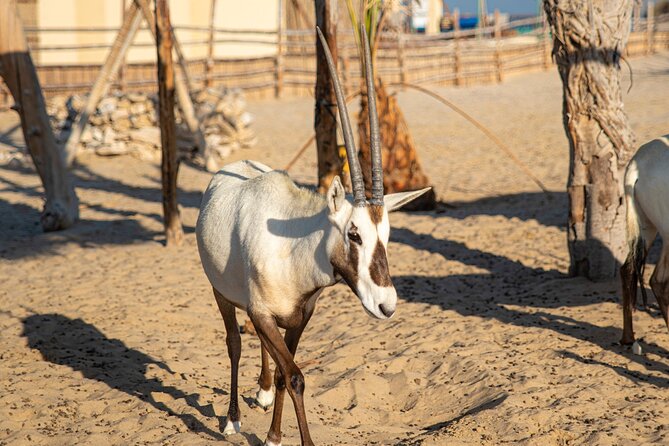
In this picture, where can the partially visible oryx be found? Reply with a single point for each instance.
(647, 199)
(269, 248)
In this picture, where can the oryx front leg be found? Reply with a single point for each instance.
(265, 394)
(234, 344)
(288, 375)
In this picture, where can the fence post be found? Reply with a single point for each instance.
(456, 35)
(650, 27)
(210, 47)
(546, 42)
(346, 76)
(498, 38)
(279, 53)
(400, 56)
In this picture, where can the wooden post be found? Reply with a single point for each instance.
(61, 208)
(210, 46)
(166, 87)
(345, 73)
(547, 40)
(278, 85)
(122, 71)
(123, 40)
(650, 27)
(456, 36)
(498, 39)
(183, 89)
(636, 15)
(400, 56)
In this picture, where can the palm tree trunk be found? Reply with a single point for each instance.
(401, 167)
(589, 38)
(325, 122)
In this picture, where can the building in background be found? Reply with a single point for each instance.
(102, 20)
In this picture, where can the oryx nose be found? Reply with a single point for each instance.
(387, 311)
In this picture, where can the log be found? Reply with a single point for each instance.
(166, 89)
(61, 208)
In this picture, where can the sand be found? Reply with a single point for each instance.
(108, 337)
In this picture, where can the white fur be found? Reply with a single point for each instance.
(271, 443)
(232, 427)
(265, 398)
(265, 242)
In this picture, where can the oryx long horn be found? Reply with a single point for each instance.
(357, 181)
(375, 139)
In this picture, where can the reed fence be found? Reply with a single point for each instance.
(457, 57)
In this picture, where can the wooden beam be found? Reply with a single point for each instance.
(110, 68)
(166, 88)
(61, 208)
(210, 46)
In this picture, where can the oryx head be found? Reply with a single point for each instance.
(361, 257)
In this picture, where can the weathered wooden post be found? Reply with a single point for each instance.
(650, 27)
(547, 42)
(61, 208)
(209, 67)
(456, 56)
(400, 55)
(498, 39)
(325, 121)
(166, 91)
(278, 83)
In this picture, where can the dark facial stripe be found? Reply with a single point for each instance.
(347, 266)
(378, 269)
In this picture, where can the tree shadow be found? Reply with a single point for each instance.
(21, 221)
(511, 283)
(85, 349)
(547, 208)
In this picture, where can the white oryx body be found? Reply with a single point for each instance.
(269, 247)
(647, 200)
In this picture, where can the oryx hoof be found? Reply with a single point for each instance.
(269, 442)
(265, 398)
(232, 427)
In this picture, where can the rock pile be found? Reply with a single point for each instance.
(127, 123)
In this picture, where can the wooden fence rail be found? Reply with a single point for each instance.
(451, 58)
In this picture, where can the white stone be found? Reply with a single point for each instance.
(149, 135)
(114, 149)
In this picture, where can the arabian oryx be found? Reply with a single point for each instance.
(269, 247)
(647, 200)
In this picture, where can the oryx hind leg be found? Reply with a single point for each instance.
(659, 282)
(234, 343)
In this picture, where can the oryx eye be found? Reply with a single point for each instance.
(354, 236)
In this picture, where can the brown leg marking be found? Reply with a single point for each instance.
(234, 343)
(265, 378)
(628, 278)
(282, 353)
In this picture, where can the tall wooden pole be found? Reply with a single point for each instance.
(325, 121)
(650, 27)
(61, 208)
(278, 89)
(166, 90)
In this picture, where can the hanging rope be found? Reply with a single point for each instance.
(479, 126)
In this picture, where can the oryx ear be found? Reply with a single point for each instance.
(336, 196)
(395, 201)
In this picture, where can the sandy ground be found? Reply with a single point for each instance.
(108, 337)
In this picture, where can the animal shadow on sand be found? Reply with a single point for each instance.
(80, 346)
(510, 283)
